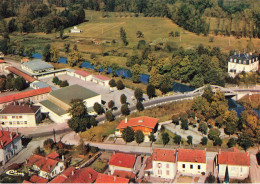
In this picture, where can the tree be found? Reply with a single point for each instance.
(189, 139)
(208, 94)
(77, 108)
(165, 138)
(46, 53)
(139, 34)
(64, 84)
(204, 141)
(39, 151)
(177, 139)
(139, 106)
(112, 83)
(123, 99)
(171, 34)
(82, 148)
(98, 108)
(217, 142)
(231, 121)
(120, 85)
(111, 104)
(213, 134)
(79, 124)
(152, 138)
(55, 80)
(125, 110)
(141, 44)
(48, 144)
(184, 124)
(139, 136)
(245, 141)
(231, 142)
(128, 134)
(135, 70)
(93, 122)
(123, 36)
(67, 48)
(19, 83)
(175, 120)
(54, 54)
(110, 116)
(203, 128)
(138, 94)
(210, 178)
(74, 58)
(150, 90)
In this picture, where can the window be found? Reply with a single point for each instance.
(159, 165)
(3, 123)
(18, 122)
(198, 167)
(10, 123)
(61, 168)
(167, 165)
(25, 122)
(167, 172)
(191, 166)
(159, 171)
(241, 169)
(5, 117)
(13, 117)
(183, 165)
(20, 117)
(17, 117)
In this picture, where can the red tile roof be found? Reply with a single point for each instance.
(85, 175)
(25, 60)
(24, 94)
(7, 137)
(123, 160)
(234, 158)
(38, 179)
(82, 73)
(20, 109)
(44, 163)
(124, 174)
(191, 155)
(64, 175)
(53, 155)
(103, 178)
(2, 61)
(144, 121)
(101, 77)
(164, 155)
(21, 74)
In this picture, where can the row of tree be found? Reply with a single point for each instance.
(11, 83)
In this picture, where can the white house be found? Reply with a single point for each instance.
(242, 62)
(83, 75)
(101, 79)
(191, 161)
(238, 164)
(44, 167)
(75, 30)
(164, 163)
(20, 115)
(122, 161)
(10, 145)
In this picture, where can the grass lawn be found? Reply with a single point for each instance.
(99, 165)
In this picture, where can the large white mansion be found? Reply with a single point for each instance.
(242, 62)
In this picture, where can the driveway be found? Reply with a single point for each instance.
(254, 169)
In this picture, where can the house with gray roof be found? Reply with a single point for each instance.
(36, 66)
(58, 101)
(242, 62)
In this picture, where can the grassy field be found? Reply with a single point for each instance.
(100, 29)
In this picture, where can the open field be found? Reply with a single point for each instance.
(155, 30)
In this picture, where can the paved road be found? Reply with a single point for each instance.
(254, 169)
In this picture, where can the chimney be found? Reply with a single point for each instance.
(219, 151)
(114, 178)
(247, 153)
(62, 157)
(239, 53)
(2, 145)
(72, 173)
(90, 176)
(26, 161)
(114, 152)
(49, 167)
(11, 137)
(17, 131)
(125, 119)
(235, 53)
(140, 121)
(250, 53)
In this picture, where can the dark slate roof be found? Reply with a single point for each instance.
(53, 107)
(243, 56)
(73, 92)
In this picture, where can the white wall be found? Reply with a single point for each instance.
(112, 168)
(242, 67)
(27, 120)
(91, 101)
(163, 171)
(235, 172)
(188, 169)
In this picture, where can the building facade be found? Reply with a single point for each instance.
(147, 125)
(191, 161)
(238, 164)
(242, 62)
(10, 145)
(20, 115)
(164, 163)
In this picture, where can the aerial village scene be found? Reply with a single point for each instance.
(129, 91)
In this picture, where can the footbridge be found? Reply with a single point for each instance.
(215, 88)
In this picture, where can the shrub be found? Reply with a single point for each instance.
(204, 141)
(112, 83)
(231, 142)
(177, 139)
(217, 142)
(120, 85)
(184, 124)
